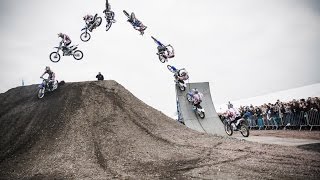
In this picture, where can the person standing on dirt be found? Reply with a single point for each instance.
(51, 76)
(100, 77)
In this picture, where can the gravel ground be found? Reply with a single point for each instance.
(99, 130)
(303, 134)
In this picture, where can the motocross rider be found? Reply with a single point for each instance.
(66, 41)
(89, 20)
(181, 75)
(51, 77)
(234, 116)
(109, 14)
(162, 48)
(136, 23)
(196, 98)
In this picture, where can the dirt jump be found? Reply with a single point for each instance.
(99, 130)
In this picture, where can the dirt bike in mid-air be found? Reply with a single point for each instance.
(164, 52)
(182, 86)
(67, 51)
(45, 87)
(109, 19)
(137, 25)
(199, 110)
(85, 36)
(230, 126)
(109, 15)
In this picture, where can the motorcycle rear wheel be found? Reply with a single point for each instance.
(182, 88)
(55, 85)
(54, 57)
(202, 115)
(244, 130)
(85, 36)
(162, 58)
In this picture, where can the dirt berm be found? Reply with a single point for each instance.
(99, 130)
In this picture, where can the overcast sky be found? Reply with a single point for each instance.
(244, 48)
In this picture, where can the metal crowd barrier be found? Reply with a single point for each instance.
(301, 119)
(313, 118)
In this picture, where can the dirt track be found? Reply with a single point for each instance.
(303, 134)
(99, 130)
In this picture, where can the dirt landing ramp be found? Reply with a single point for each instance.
(99, 130)
(211, 123)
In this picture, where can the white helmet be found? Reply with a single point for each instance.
(182, 72)
(86, 17)
(195, 91)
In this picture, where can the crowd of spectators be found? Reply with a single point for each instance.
(278, 110)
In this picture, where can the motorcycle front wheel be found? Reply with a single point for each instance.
(41, 93)
(189, 97)
(108, 26)
(170, 68)
(228, 128)
(126, 13)
(85, 36)
(78, 55)
(54, 57)
(244, 130)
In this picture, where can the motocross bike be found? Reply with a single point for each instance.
(85, 36)
(44, 87)
(109, 15)
(230, 126)
(67, 51)
(164, 52)
(182, 86)
(137, 25)
(197, 109)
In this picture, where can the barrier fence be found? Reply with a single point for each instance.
(296, 120)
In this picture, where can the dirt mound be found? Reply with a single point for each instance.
(99, 130)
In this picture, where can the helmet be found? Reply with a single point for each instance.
(47, 68)
(195, 90)
(86, 17)
(182, 72)
(60, 34)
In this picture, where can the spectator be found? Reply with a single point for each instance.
(286, 113)
(229, 105)
(100, 77)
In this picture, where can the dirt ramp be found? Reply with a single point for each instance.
(88, 129)
(99, 130)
